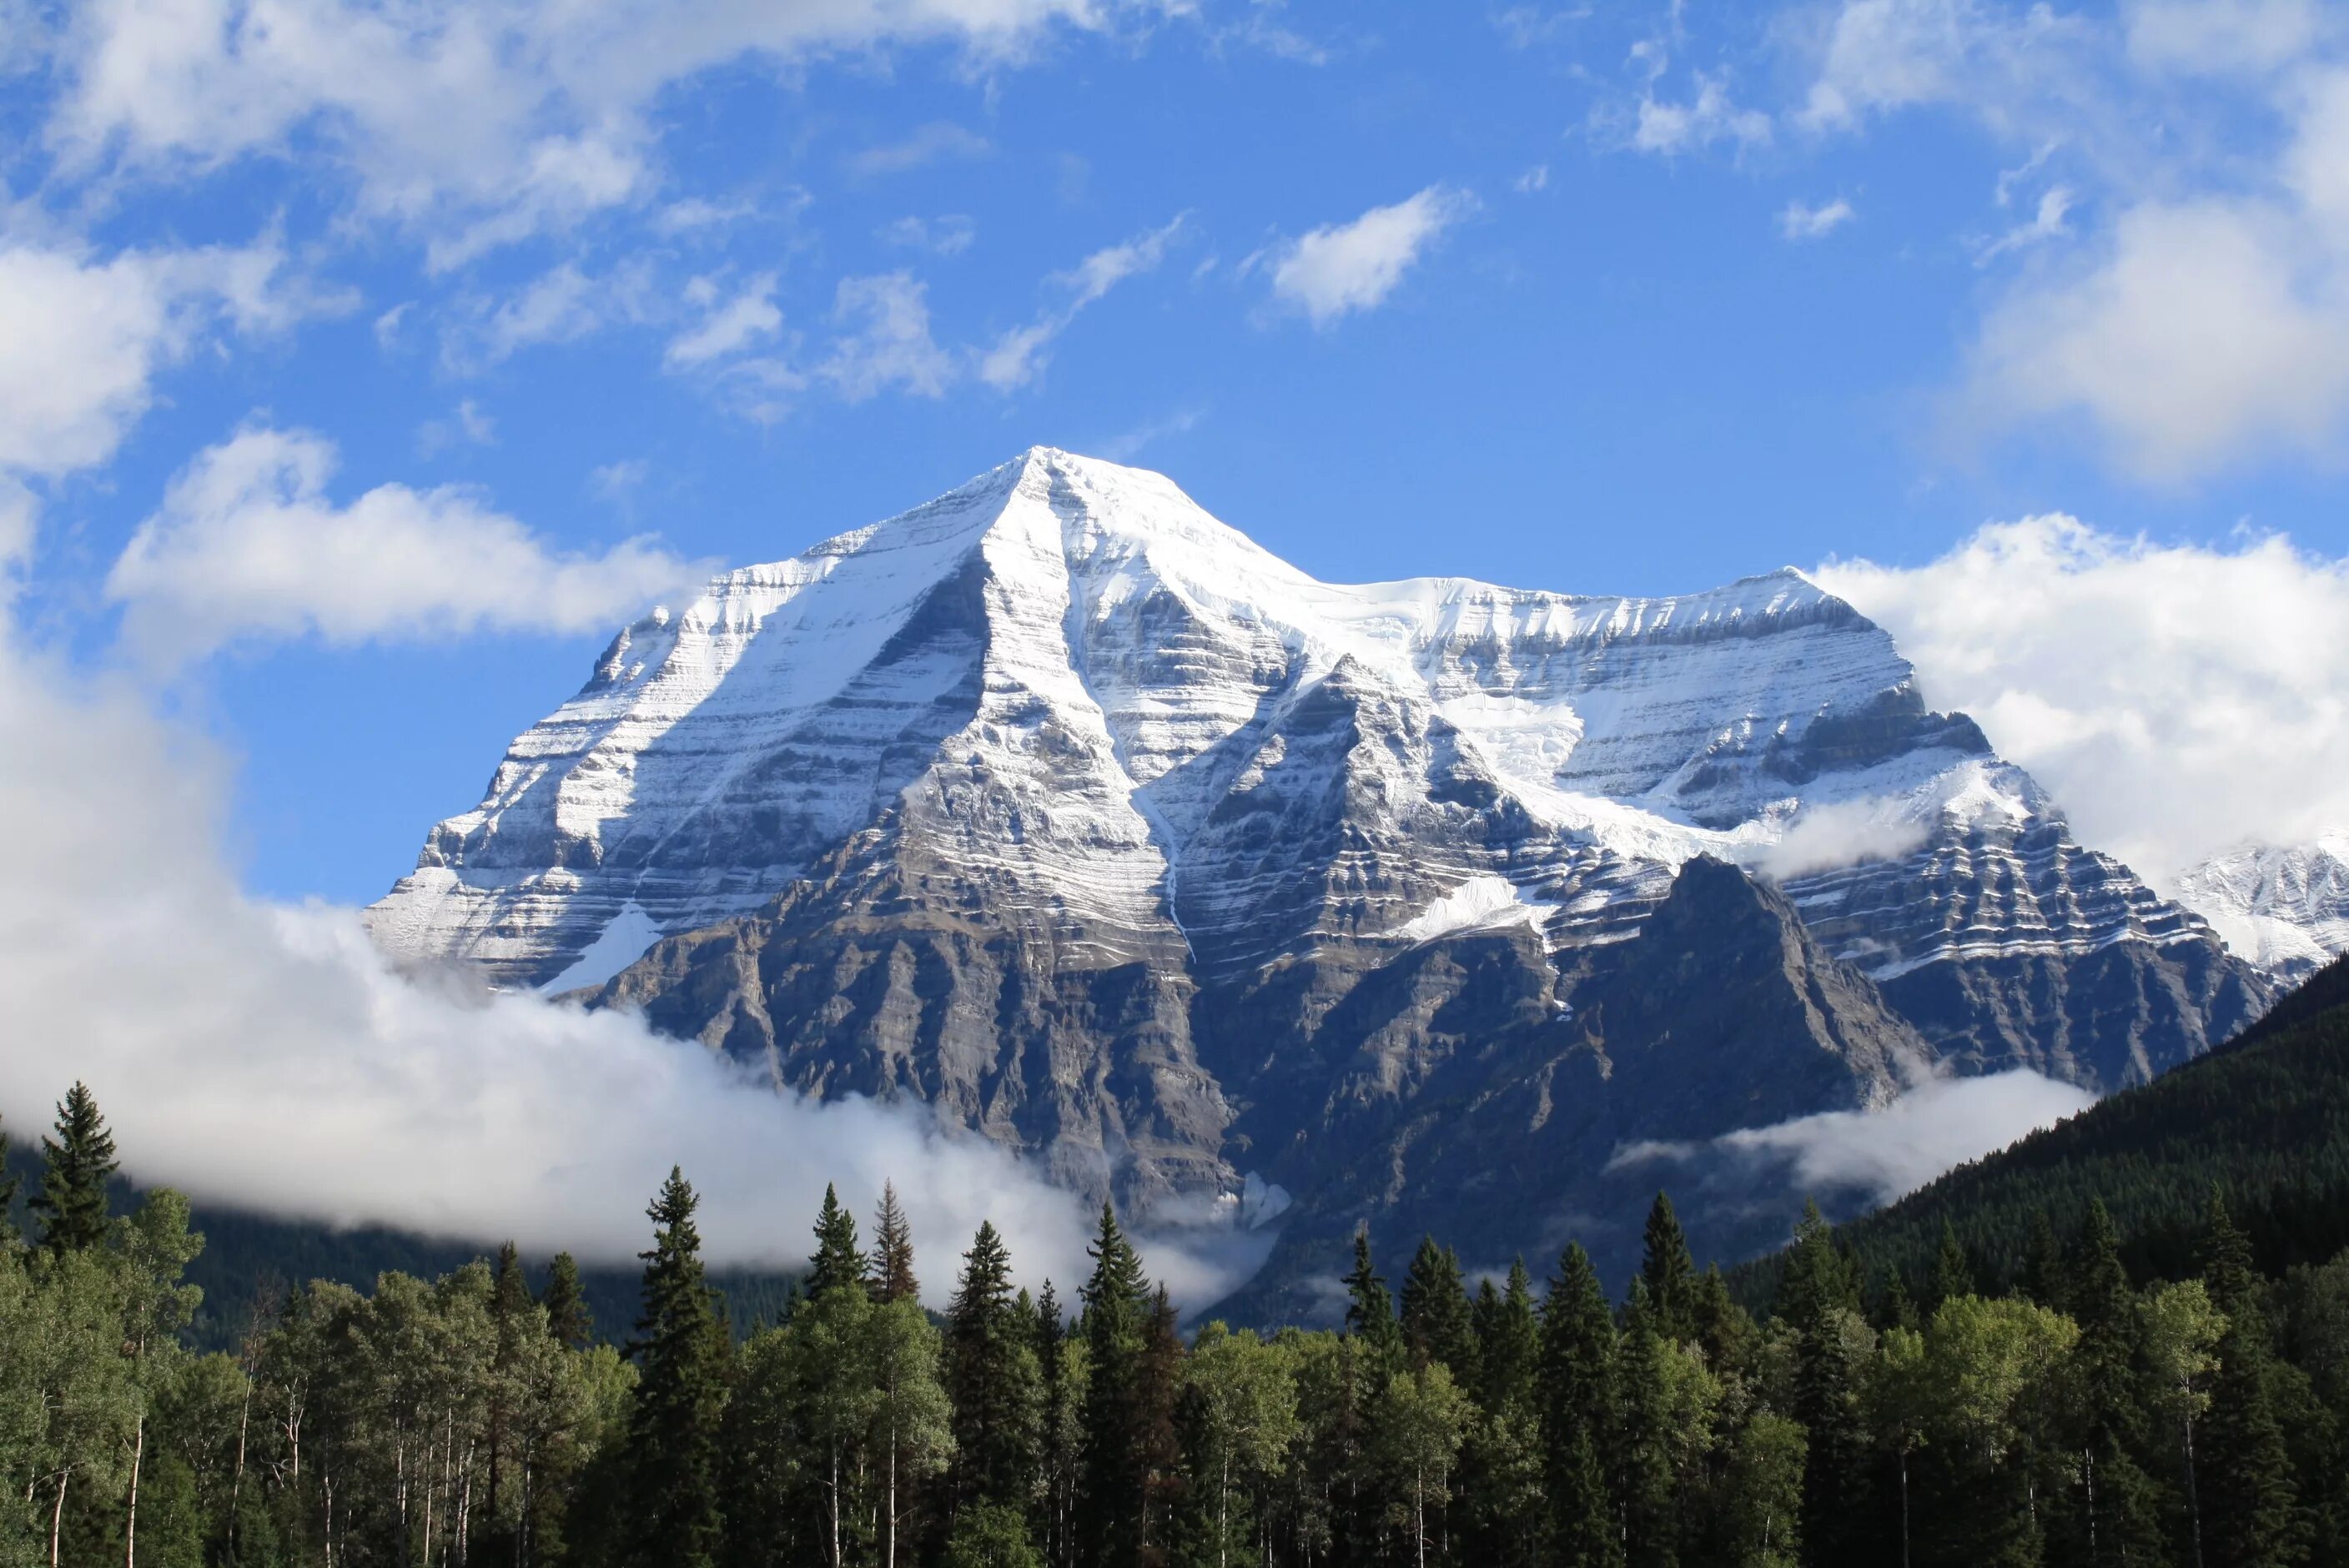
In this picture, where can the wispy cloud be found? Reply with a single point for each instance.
(1800, 221)
(1018, 355)
(938, 142)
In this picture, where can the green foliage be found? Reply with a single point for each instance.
(79, 1161)
(681, 1348)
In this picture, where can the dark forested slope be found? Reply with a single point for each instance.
(2265, 1117)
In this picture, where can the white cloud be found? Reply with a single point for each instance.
(2012, 66)
(1883, 1154)
(266, 1055)
(2175, 699)
(2195, 334)
(468, 425)
(888, 344)
(2046, 223)
(1018, 357)
(1532, 180)
(1801, 221)
(616, 482)
(470, 125)
(2195, 36)
(1355, 266)
(82, 340)
(949, 235)
(248, 545)
(726, 326)
(938, 142)
(1708, 118)
(1839, 833)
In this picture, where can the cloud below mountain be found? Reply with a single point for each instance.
(266, 1055)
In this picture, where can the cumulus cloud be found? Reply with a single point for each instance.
(81, 339)
(1018, 355)
(1354, 267)
(2174, 698)
(1880, 1154)
(1801, 221)
(265, 1056)
(470, 125)
(249, 544)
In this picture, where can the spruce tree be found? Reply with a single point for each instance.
(681, 1349)
(835, 1262)
(2044, 1270)
(1435, 1314)
(2249, 1495)
(1370, 1314)
(1669, 1274)
(2114, 1516)
(1644, 1440)
(1724, 1330)
(568, 1317)
(1577, 1396)
(1954, 1272)
(1060, 1437)
(1158, 1446)
(892, 1252)
(1508, 1340)
(1110, 1504)
(72, 1200)
(991, 1378)
(1819, 1298)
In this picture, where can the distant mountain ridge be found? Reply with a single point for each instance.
(2285, 908)
(1060, 805)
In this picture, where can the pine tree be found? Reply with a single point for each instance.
(2044, 1270)
(892, 1252)
(1061, 1440)
(1508, 1340)
(1435, 1314)
(1111, 1503)
(2249, 1496)
(835, 1262)
(511, 1321)
(680, 1346)
(2115, 1513)
(1644, 1437)
(72, 1200)
(1370, 1314)
(1577, 1396)
(1954, 1272)
(1724, 1330)
(992, 1376)
(568, 1317)
(1819, 1298)
(1669, 1274)
(1158, 1447)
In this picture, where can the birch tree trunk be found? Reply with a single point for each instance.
(130, 1517)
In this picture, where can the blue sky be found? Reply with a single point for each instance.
(344, 350)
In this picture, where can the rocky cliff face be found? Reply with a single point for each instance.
(1061, 805)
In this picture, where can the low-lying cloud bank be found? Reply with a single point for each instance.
(1876, 1155)
(264, 1056)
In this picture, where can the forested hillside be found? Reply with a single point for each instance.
(2265, 1119)
(2089, 1417)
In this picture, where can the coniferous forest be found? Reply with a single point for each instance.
(2073, 1408)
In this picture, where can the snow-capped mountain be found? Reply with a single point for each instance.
(2286, 909)
(1064, 807)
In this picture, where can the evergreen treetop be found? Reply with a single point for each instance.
(836, 1262)
(72, 1200)
(893, 1250)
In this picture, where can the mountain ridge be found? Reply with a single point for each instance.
(1053, 801)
